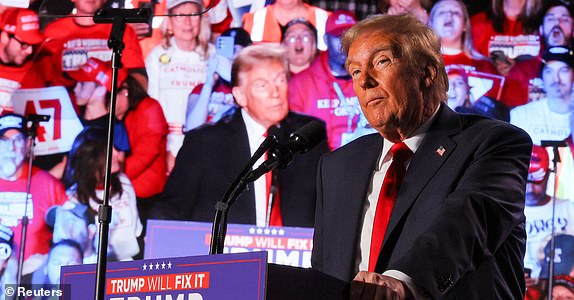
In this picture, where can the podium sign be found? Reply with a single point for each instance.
(226, 276)
(289, 246)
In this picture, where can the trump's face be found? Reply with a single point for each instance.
(262, 92)
(388, 93)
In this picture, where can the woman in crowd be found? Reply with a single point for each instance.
(84, 179)
(418, 8)
(147, 132)
(178, 65)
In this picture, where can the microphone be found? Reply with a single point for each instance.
(134, 15)
(307, 137)
(553, 144)
(37, 118)
(300, 141)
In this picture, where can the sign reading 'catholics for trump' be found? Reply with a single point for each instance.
(226, 276)
(289, 246)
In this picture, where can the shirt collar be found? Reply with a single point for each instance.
(413, 141)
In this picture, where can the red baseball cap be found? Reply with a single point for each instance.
(538, 161)
(339, 21)
(24, 24)
(458, 71)
(98, 71)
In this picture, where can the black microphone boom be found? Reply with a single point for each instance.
(553, 144)
(300, 141)
(134, 15)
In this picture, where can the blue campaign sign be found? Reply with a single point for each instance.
(224, 276)
(285, 245)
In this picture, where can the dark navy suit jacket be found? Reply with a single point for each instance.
(457, 227)
(213, 156)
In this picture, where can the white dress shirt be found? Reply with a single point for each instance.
(256, 135)
(383, 164)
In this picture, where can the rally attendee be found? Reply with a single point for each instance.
(556, 28)
(62, 253)
(325, 89)
(8, 264)
(93, 85)
(508, 34)
(461, 100)
(45, 190)
(300, 38)
(76, 39)
(563, 288)
(84, 179)
(451, 22)
(418, 8)
(432, 205)
(264, 25)
(74, 221)
(505, 20)
(147, 133)
(217, 153)
(212, 100)
(178, 65)
(19, 35)
(538, 211)
(548, 118)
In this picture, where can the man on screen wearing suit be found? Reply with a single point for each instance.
(213, 155)
(450, 226)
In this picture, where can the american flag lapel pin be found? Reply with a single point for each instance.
(440, 151)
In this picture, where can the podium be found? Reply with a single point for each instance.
(224, 276)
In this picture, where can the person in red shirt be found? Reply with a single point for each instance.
(20, 34)
(508, 34)
(45, 190)
(325, 89)
(76, 39)
(299, 36)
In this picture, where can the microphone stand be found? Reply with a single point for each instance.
(24, 233)
(219, 229)
(551, 253)
(118, 18)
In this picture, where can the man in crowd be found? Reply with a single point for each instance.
(45, 190)
(19, 34)
(325, 90)
(556, 27)
(549, 118)
(432, 206)
(538, 211)
(212, 156)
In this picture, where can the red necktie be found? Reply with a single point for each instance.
(389, 190)
(272, 192)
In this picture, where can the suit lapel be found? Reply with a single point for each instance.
(435, 149)
(354, 192)
(239, 156)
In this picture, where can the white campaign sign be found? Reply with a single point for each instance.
(58, 134)
(15, 3)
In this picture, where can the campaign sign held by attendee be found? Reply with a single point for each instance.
(57, 134)
(290, 246)
(228, 276)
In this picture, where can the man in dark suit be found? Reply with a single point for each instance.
(454, 227)
(212, 156)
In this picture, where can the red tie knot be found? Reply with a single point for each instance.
(401, 152)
